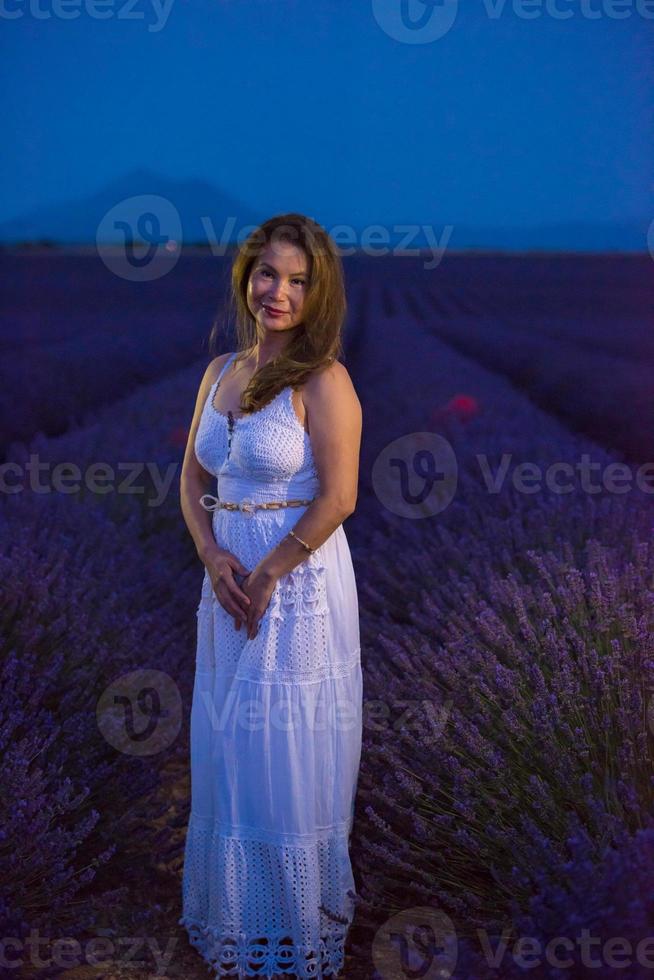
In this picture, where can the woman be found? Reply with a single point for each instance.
(276, 718)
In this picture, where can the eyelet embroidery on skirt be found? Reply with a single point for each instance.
(300, 592)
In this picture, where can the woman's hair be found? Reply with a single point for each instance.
(317, 340)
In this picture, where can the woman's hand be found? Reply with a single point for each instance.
(259, 586)
(226, 573)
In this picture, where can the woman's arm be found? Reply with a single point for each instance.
(194, 479)
(335, 418)
(220, 564)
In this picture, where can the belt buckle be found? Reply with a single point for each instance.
(246, 506)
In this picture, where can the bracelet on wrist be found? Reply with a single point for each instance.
(292, 534)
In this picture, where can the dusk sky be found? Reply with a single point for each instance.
(502, 120)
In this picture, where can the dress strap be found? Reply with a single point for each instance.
(224, 367)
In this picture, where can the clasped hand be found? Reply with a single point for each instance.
(258, 588)
(244, 595)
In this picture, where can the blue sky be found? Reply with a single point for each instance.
(316, 107)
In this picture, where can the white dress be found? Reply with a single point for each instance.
(276, 722)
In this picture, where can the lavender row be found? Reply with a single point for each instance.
(98, 591)
(605, 396)
(520, 627)
(75, 335)
(599, 302)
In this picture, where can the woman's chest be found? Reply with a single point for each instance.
(263, 446)
(228, 393)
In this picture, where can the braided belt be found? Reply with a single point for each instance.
(249, 506)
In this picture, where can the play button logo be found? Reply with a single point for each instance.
(415, 21)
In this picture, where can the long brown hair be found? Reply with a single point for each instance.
(317, 340)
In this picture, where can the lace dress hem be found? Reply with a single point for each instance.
(242, 954)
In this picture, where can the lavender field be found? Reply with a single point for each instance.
(516, 795)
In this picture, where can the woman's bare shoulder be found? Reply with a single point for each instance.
(218, 362)
(334, 373)
(332, 381)
(214, 368)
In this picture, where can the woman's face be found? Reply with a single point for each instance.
(278, 282)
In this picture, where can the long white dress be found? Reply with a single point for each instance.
(276, 722)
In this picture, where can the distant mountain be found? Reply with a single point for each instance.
(125, 208)
(84, 221)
